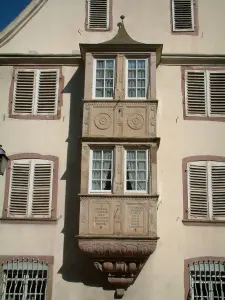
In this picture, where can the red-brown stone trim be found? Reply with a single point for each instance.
(185, 161)
(55, 161)
(197, 118)
(35, 117)
(110, 19)
(189, 261)
(196, 22)
(48, 259)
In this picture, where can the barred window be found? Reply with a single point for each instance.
(23, 279)
(207, 280)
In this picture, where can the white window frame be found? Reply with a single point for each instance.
(146, 78)
(107, 18)
(147, 172)
(209, 165)
(37, 73)
(207, 93)
(192, 17)
(90, 171)
(32, 163)
(94, 78)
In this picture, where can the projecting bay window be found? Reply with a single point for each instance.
(205, 186)
(101, 170)
(137, 78)
(25, 278)
(36, 93)
(206, 279)
(204, 94)
(104, 77)
(136, 171)
(31, 188)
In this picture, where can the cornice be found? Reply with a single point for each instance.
(25, 16)
(75, 59)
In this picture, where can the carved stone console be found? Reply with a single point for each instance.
(119, 233)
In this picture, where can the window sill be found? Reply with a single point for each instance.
(30, 117)
(29, 220)
(198, 118)
(189, 222)
(188, 32)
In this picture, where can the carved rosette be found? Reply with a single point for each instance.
(122, 259)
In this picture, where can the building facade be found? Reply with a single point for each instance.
(114, 133)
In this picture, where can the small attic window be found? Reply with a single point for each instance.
(98, 15)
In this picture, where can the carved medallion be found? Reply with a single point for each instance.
(103, 121)
(135, 121)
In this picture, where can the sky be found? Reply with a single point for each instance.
(9, 10)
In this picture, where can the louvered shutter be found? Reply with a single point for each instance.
(217, 92)
(47, 94)
(24, 88)
(197, 190)
(42, 189)
(98, 14)
(195, 93)
(19, 189)
(218, 189)
(183, 15)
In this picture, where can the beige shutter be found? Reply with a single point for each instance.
(24, 88)
(195, 93)
(197, 190)
(183, 15)
(42, 188)
(19, 189)
(217, 92)
(47, 93)
(218, 189)
(98, 14)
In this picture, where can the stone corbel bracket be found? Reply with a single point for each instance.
(121, 258)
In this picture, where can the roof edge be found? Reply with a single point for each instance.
(20, 21)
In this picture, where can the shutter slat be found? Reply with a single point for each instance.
(19, 189)
(47, 101)
(183, 15)
(98, 14)
(218, 189)
(217, 93)
(195, 93)
(197, 190)
(23, 92)
(42, 190)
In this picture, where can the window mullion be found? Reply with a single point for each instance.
(207, 93)
(36, 87)
(101, 169)
(104, 71)
(31, 187)
(136, 174)
(209, 186)
(136, 77)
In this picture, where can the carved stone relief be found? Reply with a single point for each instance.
(119, 119)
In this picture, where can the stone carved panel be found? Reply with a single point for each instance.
(101, 216)
(120, 119)
(118, 215)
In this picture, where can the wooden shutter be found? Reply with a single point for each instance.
(183, 15)
(218, 189)
(217, 92)
(98, 14)
(195, 93)
(19, 189)
(197, 190)
(24, 87)
(42, 188)
(47, 94)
